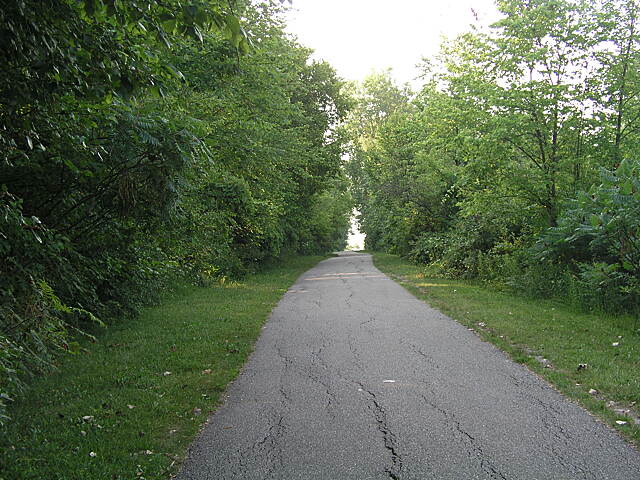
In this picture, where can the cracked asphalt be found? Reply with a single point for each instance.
(354, 378)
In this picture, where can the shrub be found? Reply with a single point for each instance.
(429, 247)
(598, 240)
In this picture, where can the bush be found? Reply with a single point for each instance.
(604, 287)
(500, 264)
(30, 336)
(457, 251)
(598, 240)
(428, 248)
(541, 280)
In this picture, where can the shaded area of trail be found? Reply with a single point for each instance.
(354, 378)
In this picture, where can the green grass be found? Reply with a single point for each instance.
(118, 399)
(527, 328)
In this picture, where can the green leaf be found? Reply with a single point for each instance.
(157, 91)
(175, 71)
(198, 33)
(163, 38)
(624, 169)
(244, 46)
(71, 165)
(170, 25)
(234, 25)
(595, 220)
(74, 347)
(626, 188)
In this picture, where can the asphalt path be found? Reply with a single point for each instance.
(354, 378)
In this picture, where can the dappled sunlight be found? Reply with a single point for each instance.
(345, 276)
(340, 274)
(451, 285)
(230, 285)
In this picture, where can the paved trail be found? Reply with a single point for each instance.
(314, 402)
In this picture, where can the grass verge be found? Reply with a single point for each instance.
(128, 407)
(551, 339)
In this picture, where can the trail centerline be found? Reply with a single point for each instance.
(354, 378)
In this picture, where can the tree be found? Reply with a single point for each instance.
(126, 165)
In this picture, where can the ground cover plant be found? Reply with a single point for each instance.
(128, 405)
(577, 352)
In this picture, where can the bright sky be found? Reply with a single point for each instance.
(358, 36)
(355, 241)
(361, 36)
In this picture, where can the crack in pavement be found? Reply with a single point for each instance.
(562, 436)
(268, 447)
(549, 419)
(317, 359)
(348, 299)
(366, 322)
(424, 355)
(354, 352)
(270, 436)
(272, 453)
(395, 470)
(474, 450)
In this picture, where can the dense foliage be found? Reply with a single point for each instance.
(143, 141)
(518, 160)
